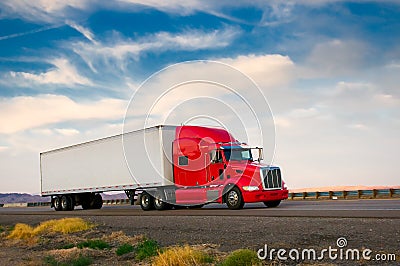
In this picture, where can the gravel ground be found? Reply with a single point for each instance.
(230, 232)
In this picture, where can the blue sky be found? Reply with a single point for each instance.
(329, 69)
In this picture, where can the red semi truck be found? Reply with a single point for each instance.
(183, 166)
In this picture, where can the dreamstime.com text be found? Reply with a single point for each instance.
(338, 252)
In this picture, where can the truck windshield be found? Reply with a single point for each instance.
(237, 154)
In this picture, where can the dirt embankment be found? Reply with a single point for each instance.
(218, 234)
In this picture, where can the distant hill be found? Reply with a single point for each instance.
(21, 198)
(25, 198)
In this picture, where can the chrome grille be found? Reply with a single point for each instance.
(272, 178)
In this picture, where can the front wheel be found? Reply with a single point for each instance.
(272, 204)
(146, 201)
(234, 199)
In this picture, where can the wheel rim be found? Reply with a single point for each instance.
(57, 203)
(145, 200)
(64, 203)
(233, 198)
(158, 202)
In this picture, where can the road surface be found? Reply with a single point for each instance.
(383, 208)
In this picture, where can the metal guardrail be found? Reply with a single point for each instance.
(347, 194)
(116, 201)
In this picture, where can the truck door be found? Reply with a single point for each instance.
(216, 167)
(189, 163)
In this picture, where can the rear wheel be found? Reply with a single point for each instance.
(146, 201)
(91, 201)
(57, 203)
(86, 204)
(234, 199)
(97, 202)
(272, 204)
(159, 203)
(66, 203)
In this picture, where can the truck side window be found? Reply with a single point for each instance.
(183, 160)
(215, 156)
(212, 156)
(219, 157)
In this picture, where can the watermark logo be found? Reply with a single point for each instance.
(333, 253)
(341, 242)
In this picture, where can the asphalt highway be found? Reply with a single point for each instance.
(382, 208)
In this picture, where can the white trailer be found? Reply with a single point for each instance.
(75, 175)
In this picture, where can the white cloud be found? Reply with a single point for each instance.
(42, 10)
(3, 148)
(27, 112)
(63, 73)
(335, 57)
(304, 113)
(358, 126)
(121, 50)
(56, 11)
(267, 70)
(84, 31)
(175, 6)
(67, 131)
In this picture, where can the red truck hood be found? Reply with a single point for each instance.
(249, 169)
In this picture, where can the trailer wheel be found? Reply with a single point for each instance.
(272, 204)
(86, 201)
(66, 203)
(73, 203)
(159, 203)
(86, 204)
(97, 202)
(234, 199)
(57, 203)
(146, 201)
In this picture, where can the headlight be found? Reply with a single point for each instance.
(250, 188)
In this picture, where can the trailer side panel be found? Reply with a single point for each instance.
(100, 165)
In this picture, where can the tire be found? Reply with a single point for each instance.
(97, 202)
(234, 199)
(272, 204)
(66, 203)
(72, 198)
(86, 201)
(86, 205)
(159, 203)
(146, 201)
(57, 203)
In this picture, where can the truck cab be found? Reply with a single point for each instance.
(210, 165)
